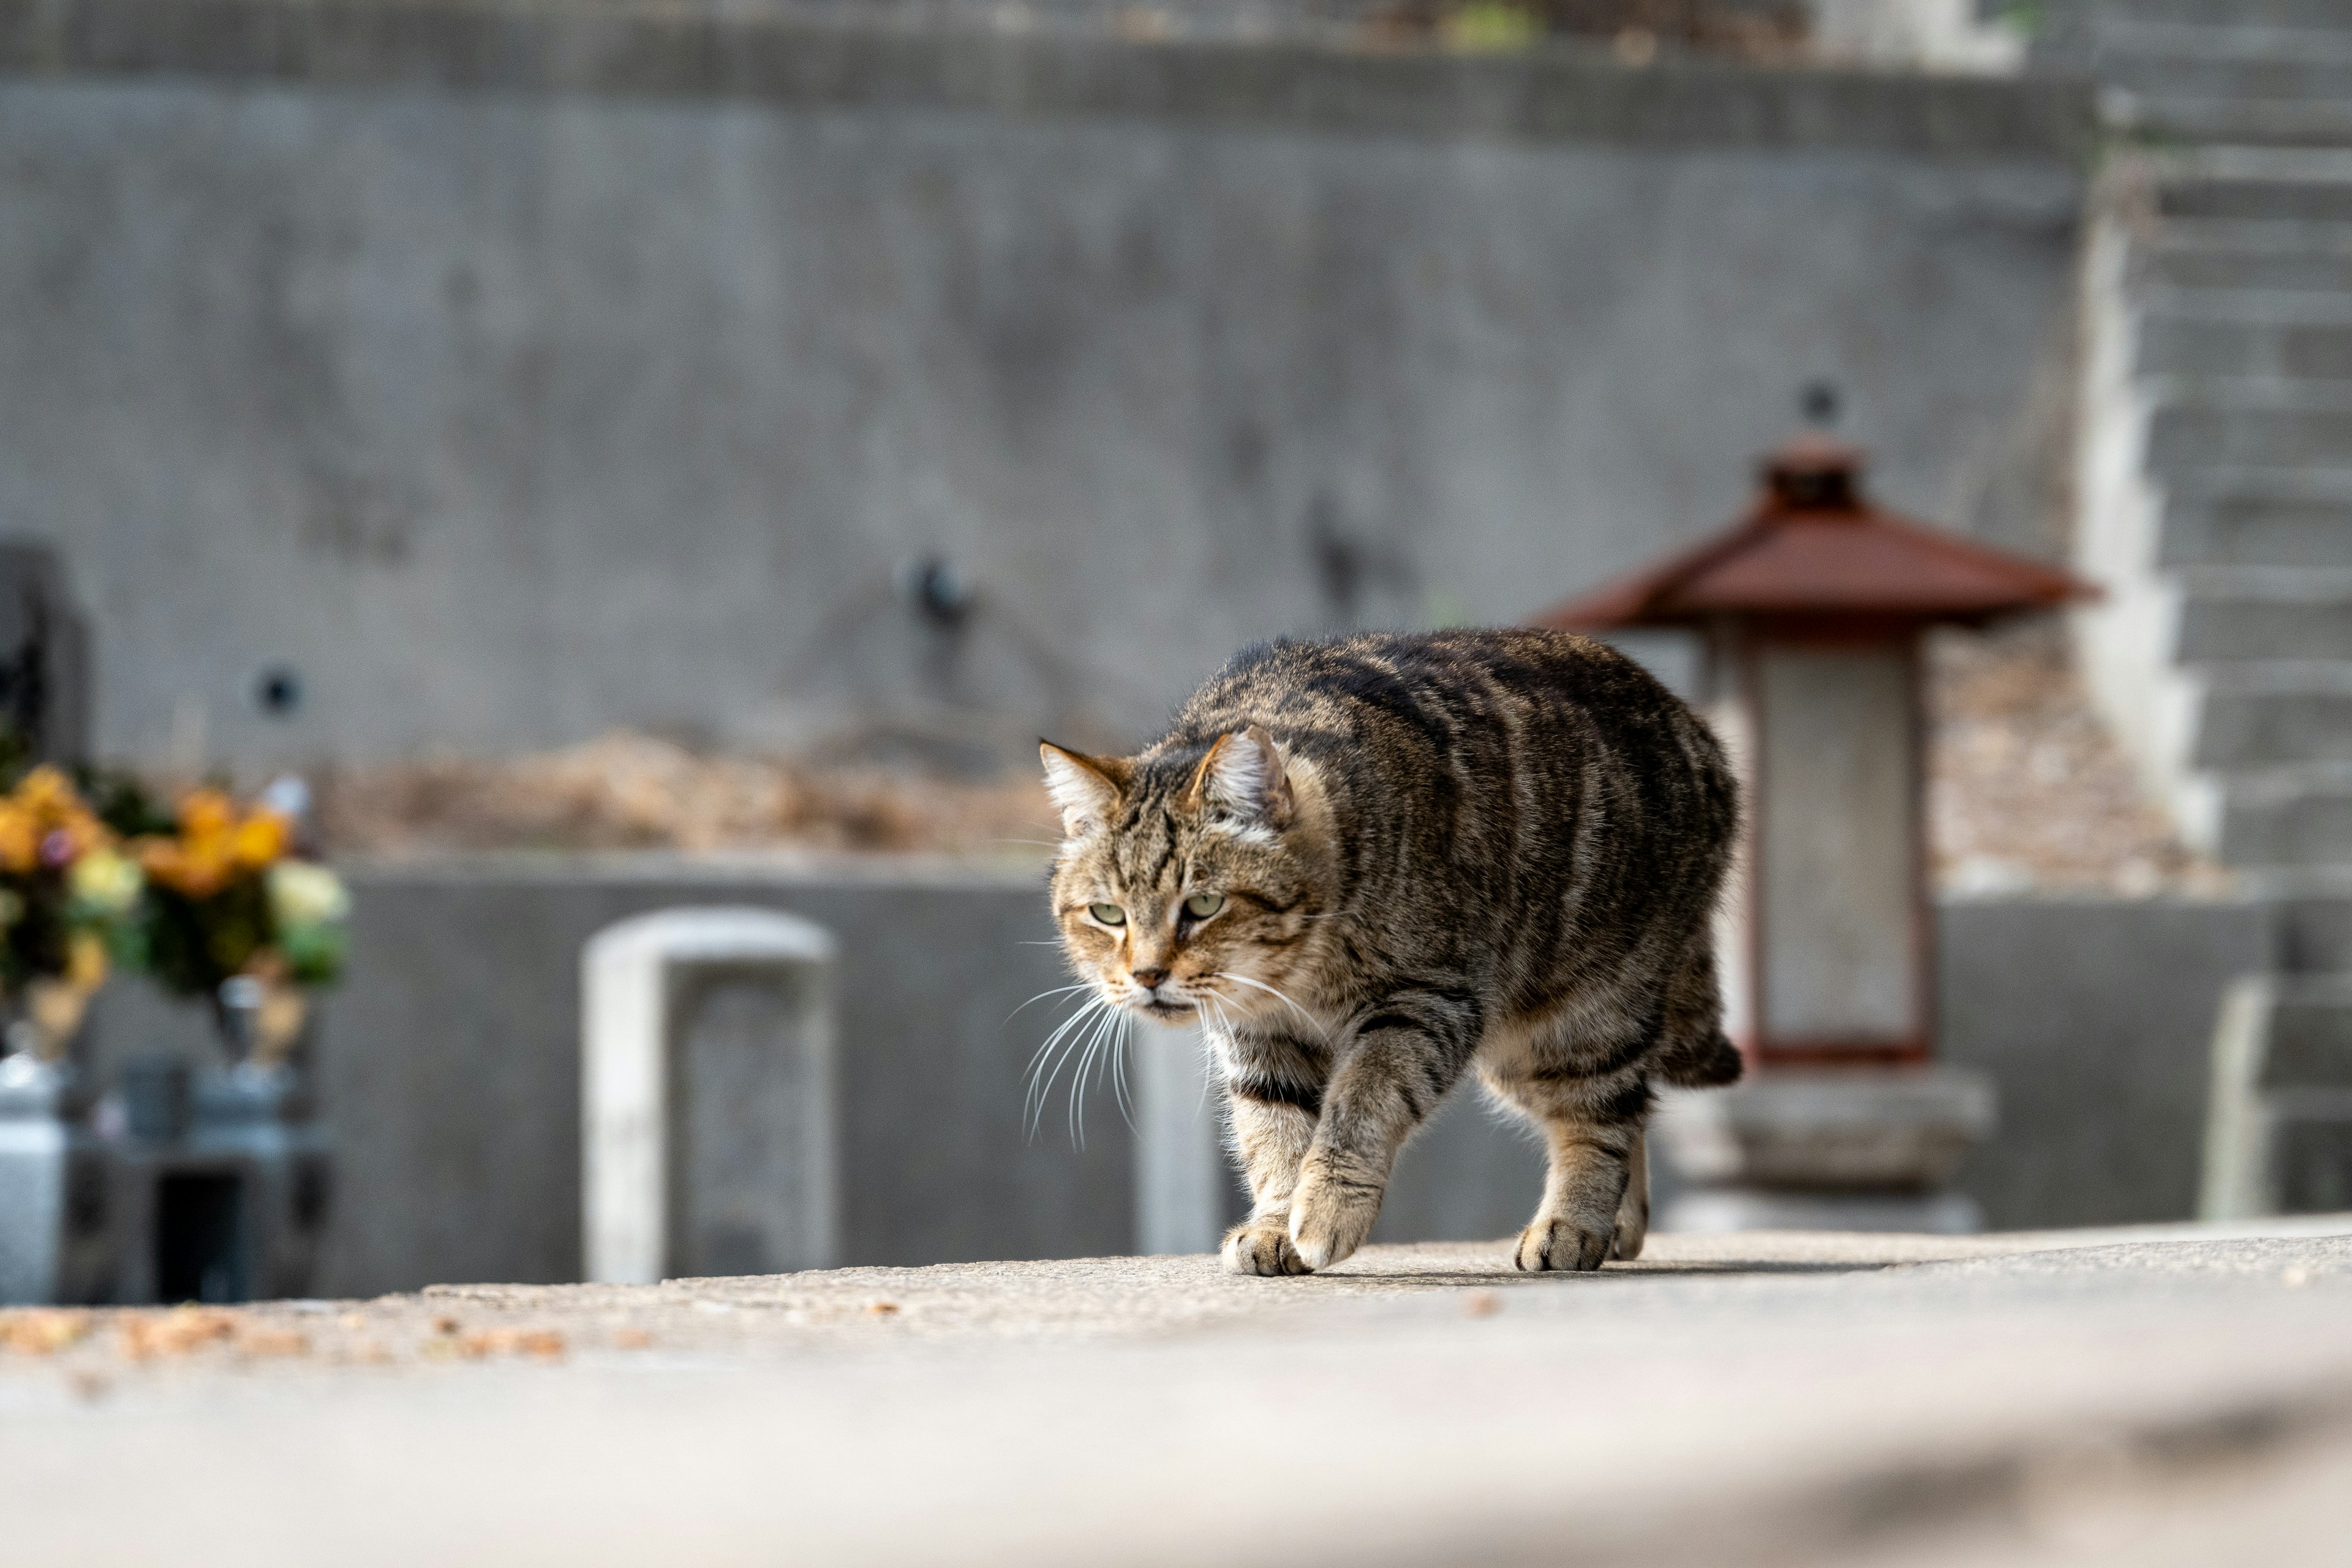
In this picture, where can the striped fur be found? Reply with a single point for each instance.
(1417, 856)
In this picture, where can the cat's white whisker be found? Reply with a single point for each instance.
(1057, 990)
(1119, 1071)
(1321, 1027)
(1042, 1072)
(1078, 1080)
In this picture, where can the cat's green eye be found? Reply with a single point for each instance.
(1201, 906)
(1108, 914)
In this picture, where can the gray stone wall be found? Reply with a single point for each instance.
(452, 1079)
(508, 375)
(2095, 1018)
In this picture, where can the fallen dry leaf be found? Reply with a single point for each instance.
(43, 1330)
(177, 1332)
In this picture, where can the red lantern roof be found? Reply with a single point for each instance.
(1814, 549)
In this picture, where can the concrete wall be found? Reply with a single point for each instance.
(506, 375)
(2095, 1018)
(451, 1067)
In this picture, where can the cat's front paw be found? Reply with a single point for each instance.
(1261, 1247)
(1330, 1218)
(1556, 1244)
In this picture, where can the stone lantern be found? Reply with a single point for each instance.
(1814, 607)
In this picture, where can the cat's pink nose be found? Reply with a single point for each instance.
(1149, 979)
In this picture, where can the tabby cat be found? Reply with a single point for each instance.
(1366, 865)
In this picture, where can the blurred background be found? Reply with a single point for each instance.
(589, 459)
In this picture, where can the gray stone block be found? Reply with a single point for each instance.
(2258, 428)
(2300, 615)
(2114, 19)
(2094, 1017)
(2219, 517)
(2174, 342)
(2235, 255)
(708, 1096)
(2316, 190)
(2255, 717)
(1714, 1211)
(1827, 1130)
(2315, 932)
(2279, 1136)
(2288, 818)
(2160, 80)
(2299, 122)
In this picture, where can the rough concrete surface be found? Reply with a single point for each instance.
(2145, 1397)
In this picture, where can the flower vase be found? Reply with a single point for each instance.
(55, 1239)
(260, 1110)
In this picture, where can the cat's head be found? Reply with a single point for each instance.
(1186, 883)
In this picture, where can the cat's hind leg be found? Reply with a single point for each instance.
(1596, 1190)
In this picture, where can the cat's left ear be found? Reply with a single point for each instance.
(1243, 777)
(1089, 790)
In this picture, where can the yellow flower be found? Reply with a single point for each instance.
(195, 872)
(259, 841)
(206, 814)
(20, 839)
(46, 792)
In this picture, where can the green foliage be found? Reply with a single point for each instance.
(121, 801)
(193, 945)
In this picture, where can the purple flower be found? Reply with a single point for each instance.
(58, 848)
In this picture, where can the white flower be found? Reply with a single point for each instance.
(302, 894)
(104, 882)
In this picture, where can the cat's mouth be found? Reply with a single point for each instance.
(1168, 1007)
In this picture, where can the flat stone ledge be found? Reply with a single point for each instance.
(1541, 95)
(1757, 1398)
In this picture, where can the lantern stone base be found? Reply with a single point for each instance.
(1716, 1211)
(1825, 1150)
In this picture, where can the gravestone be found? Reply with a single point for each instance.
(2279, 1134)
(706, 1060)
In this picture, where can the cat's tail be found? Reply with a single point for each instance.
(1708, 1062)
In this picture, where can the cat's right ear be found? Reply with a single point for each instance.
(1089, 790)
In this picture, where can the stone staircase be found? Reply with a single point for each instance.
(2215, 482)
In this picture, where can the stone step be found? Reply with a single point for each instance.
(2277, 613)
(2290, 818)
(2279, 1131)
(2264, 716)
(2248, 424)
(2258, 517)
(2246, 334)
(2283, 123)
(2204, 73)
(2110, 17)
(2293, 258)
(2311, 1035)
(2272, 184)
(2314, 922)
